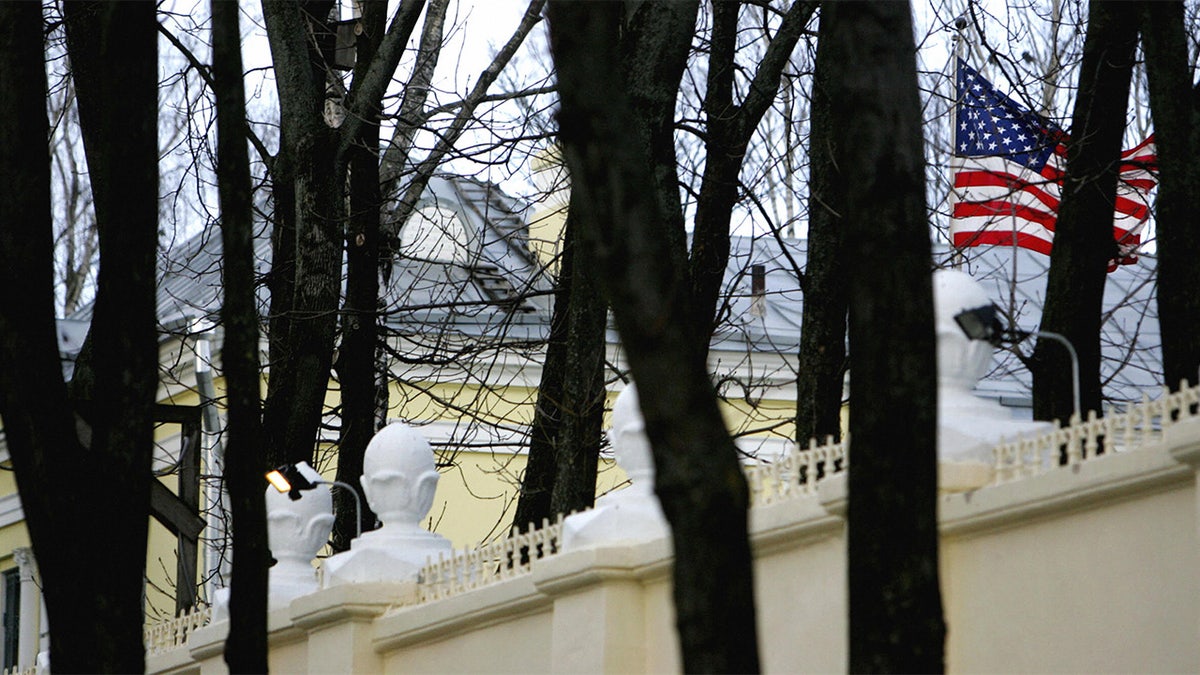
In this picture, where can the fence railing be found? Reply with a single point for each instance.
(172, 633)
(1140, 425)
(489, 563)
(796, 472)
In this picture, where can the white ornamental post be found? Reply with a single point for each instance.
(296, 531)
(630, 515)
(399, 480)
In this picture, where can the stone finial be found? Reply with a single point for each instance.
(400, 480)
(296, 531)
(962, 362)
(399, 476)
(968, 426)
(631, 447)
(631, 515)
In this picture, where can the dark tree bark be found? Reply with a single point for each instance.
(353, 155)
(245, 464)
(566, 432)
(730, 127)
(895, 606)
(822, 358)
(1175, 105)
(1083, 237)
(101, 495)
(307, 253)
(647, 58)
(39, 424)
(541, 468)
(310, 180)
(565, 435)
(583, 392)
(113, 52)
(309, 176)
(626, 238)
(356, 364)
(39, 419)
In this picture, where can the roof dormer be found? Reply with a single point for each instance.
(439, 233)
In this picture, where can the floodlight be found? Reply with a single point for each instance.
(278, 481)
(983, 323)
(291, 478)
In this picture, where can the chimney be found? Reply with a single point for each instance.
(758, 290)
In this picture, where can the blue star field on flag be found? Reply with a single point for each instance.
(990, 124)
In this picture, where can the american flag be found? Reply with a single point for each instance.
(1008, 168)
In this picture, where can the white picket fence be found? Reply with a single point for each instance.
(1140, 425)
(489, 563)
(796, 472)
(173, 633)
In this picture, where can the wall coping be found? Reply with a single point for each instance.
(209, 641)
(481, 607)
(349, 603)
(1104, 479)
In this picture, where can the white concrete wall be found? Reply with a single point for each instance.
(1095, 570)
(1091, 568)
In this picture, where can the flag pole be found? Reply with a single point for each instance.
(957, 259)
(1012, 286)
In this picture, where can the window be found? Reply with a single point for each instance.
(10, 595)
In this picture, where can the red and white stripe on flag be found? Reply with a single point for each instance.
(1007, 173)
(994, 199)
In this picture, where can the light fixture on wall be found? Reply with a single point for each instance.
(295, 478)
(983, 323)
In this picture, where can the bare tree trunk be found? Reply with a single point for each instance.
(1083, 237)
(246, 646)
(309, 190)
(541, 468)
(896, 620)
(307, 256)
(360, 311)
(94, 603)
(1176, 109)
(626, 237)
(565, 436)
(822, 358)
(39, 423)
(113, 51)
(583, 393)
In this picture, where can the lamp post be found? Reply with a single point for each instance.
(291, 478)
(983, 323)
